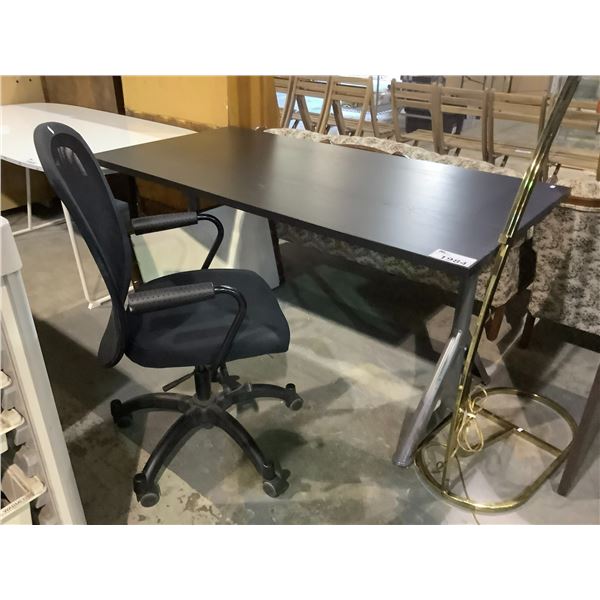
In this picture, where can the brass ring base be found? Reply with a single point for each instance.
(508, 429)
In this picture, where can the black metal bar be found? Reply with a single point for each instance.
(169, 402)
(218, 240)
(277, 251)
(235, 325)
(236, 431)
(170, 440)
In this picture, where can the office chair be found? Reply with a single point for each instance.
(201, 319)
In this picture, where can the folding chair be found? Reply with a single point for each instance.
(354, 91)
(466, 103)
(583, 115)
(303, 88)
(284, 84)
(423, 102)
(522, 108)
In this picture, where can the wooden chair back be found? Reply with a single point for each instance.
(421, 96)
(468, 103)
(581, 115)
(303, 88)
(526, 108)
(285, 84)
(523, 108)
(355, 91)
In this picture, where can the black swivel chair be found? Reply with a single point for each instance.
(200, 319)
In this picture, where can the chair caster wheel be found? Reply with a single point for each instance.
(276, 486)
(147, 494)
(295, 402)
(120, 420)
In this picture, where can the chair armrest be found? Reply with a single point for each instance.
(153, 223)
(141, 225)
(161, 298)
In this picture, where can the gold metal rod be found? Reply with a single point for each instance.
(526, 435)
(505, 240)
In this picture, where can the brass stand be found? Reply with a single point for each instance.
(507, 429)
(463, 405)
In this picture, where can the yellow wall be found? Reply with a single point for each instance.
(19, 89)
(193, 100)
(252, 102)
(197, 103)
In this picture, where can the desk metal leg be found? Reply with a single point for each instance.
(29, 215)
(86, 293)
(442, 388)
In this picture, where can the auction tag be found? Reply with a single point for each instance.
(451, 257)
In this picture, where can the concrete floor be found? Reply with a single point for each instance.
(364, 346)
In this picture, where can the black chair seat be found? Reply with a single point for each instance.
(192, 334)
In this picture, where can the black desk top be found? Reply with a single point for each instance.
(404, 207)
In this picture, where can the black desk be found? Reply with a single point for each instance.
(408, 208)
(405, 207)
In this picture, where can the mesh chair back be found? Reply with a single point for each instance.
(77, 179)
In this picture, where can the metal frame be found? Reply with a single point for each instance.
(464, 396)
(444, 486)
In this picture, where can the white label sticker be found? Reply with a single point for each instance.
(451, 257)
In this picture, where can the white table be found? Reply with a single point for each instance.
(101, 130)
(108, 131)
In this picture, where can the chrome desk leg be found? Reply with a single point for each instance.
(86, 293)
(442, 388)
(29, 216)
